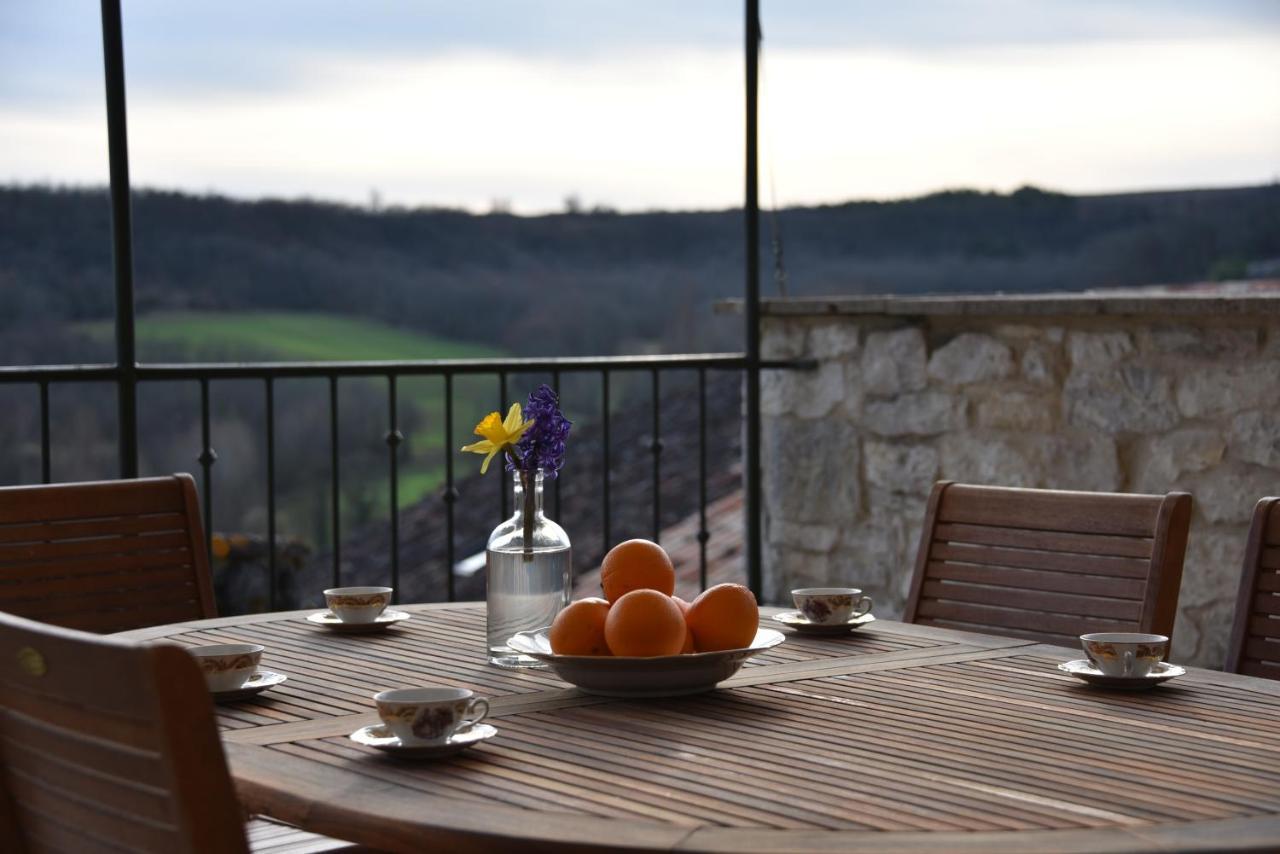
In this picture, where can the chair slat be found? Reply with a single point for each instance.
(1035, 600)
(106, 557)
(38, 795)
(1031, 579)
(1261, 626)
(84, 783)
(1055, 541)
(99, 499)
(99, 526)
(177, 576)
(1050, 510)
(1259, 580)
(95, 546)
(1265, 669)
(1049, 565)
(1116, 567)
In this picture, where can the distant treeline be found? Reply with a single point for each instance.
(599, 282)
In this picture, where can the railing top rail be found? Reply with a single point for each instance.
(50, 373)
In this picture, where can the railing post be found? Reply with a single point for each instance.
(121, 237)
(751, 467)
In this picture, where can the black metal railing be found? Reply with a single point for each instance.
(268, 374)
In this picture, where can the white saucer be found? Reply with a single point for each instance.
(379, 737)
(330, 621)
(256, 684)
(802, 624)
(1082, 668)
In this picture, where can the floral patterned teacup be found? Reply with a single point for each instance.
(429, 715)
(1127, 654)
(831, 606)
(357, 604)
(227, 666)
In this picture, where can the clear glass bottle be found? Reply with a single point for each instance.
(530, 569)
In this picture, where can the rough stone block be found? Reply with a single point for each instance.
(1213, 341)
(1088, 462)
(1158, 461)
(814, 538)
(786, 568)
(924, 413)
(1015, 410)
(833, 340)
(994, 460)
(1228, 492)
(804, 394)
(782, 338)
(909, 469)
(893, 362)
(970, 358)
(872, 555)
(1041, 363)
(1134, 398)
(1098, 350)
(1255, 438)
(1226, 388)
(811, 471)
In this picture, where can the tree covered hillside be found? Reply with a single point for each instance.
(529, 285)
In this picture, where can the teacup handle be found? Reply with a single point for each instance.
(864, 605)
(472, 718)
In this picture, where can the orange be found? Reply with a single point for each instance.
(723, 617)
(688, 635)
(645, 623)
(636, 565)
(579, 629)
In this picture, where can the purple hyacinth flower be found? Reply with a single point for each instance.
(541, 448)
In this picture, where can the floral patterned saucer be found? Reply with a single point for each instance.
(1082, 668)
(379, 737)
(256, 684)
(330, 620)
(802, 624)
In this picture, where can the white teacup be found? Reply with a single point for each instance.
(357, 604)
(227, 666)
(429, 715)
(1128, 654)
(831, 606)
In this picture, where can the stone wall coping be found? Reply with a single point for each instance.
(1083, 304)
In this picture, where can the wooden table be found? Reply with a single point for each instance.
(897, 738)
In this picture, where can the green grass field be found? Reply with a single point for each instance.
(303, 336)
(284, 336)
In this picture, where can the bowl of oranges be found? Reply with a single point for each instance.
(640, 640)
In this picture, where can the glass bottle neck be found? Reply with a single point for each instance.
(518, 486)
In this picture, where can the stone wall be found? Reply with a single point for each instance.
(1128, 394)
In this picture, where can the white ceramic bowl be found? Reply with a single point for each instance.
(658, 676)
(227, 666)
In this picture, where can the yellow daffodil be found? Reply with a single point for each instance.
(499, 434)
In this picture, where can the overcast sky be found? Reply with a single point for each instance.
(639, 105)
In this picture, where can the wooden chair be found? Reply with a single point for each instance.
(1255, 637)
(1049, 565)
(107, 556)
(107, 745)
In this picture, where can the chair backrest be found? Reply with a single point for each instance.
(108, 745)
(1255, 636)
(1049, 565)
(105, 557)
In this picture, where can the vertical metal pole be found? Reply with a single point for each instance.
(394, 438)
(334, 480)
(272, 571)
(751, 470)
(121, 237)
(46, 463)
(655, 448)
(450, 492)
